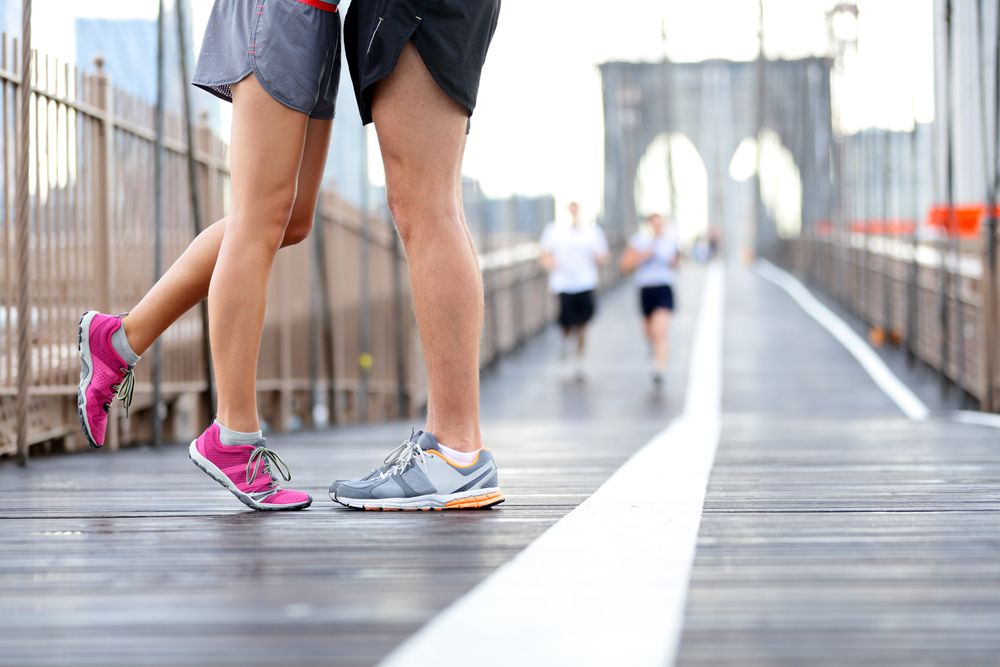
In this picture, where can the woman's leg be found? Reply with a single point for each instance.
(265, 155)
(185, 283)
(421, 133)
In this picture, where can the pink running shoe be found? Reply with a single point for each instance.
(247, 471)
(104, 375)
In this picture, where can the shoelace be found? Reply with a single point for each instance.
(123, 390)
(261, 456)
(378, 470)
(402, 458)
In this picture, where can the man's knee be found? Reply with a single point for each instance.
(416, 211)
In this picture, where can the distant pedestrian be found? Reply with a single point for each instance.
(571, 253)
(654, 254)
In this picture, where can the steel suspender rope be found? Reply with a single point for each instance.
(944, 278)
(991, 291)
(23, 239)
(886, 262)
(158, 218)
(192, 168)
(913, 284)
(991, 275)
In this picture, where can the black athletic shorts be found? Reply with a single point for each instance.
(575, 308)
(452, 37)
(658, 296)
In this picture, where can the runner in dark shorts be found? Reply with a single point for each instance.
(653, 253)
(451, 36)
(655, 297)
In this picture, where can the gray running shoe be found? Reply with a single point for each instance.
(418, 476)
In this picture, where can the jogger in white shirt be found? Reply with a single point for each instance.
(571, 254)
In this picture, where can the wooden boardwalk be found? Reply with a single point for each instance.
(138, 559)
(835, 531)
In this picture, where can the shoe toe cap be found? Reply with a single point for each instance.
(287, 497)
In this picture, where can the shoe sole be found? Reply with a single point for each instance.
(477, 499)
(213, 471)
(86, 374)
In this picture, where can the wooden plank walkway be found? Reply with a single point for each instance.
(836, 531)
(137, 559)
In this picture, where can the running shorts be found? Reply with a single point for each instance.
(292, 46)
(655, 297)
(451, 36)
(576, 308)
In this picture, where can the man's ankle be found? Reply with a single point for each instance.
(459, 440)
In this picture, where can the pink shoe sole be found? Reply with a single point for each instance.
(86, 373)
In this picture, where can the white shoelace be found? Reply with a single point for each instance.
(401, 458)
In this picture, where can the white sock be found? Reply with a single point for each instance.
(461, 458)
(124, 350)
(231, 437)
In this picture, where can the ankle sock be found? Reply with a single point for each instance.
(461, 458)
(231, 437)
(120, 342)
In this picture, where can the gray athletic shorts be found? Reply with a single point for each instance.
(292, 46)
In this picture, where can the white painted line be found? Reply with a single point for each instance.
(607, 584)
(978, 418)
(886, 380)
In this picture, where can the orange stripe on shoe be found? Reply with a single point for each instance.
(454, 464)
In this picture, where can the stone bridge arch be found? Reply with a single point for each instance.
(715, 105)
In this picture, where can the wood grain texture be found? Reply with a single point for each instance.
(138, 559)
(835, 530)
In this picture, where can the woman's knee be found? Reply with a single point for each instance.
(267, 218)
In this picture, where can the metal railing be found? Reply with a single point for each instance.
(91, 247)
(929, 297)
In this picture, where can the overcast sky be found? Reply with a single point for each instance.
(538, 125)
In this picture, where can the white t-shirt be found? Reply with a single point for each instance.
(656, 270)
(575, 249)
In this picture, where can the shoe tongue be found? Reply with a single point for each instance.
(427, 441)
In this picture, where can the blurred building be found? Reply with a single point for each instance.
(498, 222)
(889, 175)
(346, 159)
(10, 17)
(128, 47)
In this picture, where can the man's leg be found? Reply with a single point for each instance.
(185, 283)
(421, 133)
